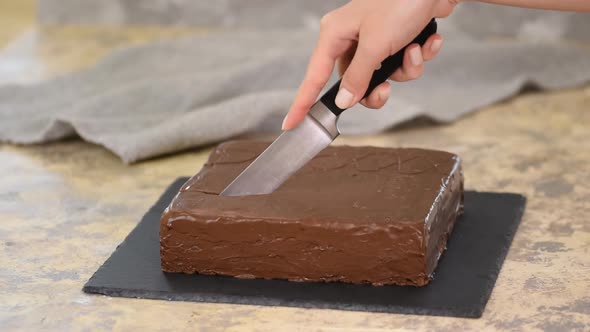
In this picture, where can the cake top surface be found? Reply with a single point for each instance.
(342, 183)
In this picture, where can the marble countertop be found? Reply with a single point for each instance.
(66, 206)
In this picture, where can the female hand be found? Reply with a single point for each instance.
(359, 36)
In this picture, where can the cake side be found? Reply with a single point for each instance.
(353, 214)
(446, 209)
(273, 249)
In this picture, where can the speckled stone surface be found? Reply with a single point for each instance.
(65, 207)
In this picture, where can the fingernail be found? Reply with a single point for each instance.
(384, 94)
(283, 126)
(436, 44)
(343, 98)
(416, 56)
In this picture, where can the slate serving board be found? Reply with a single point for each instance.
(461, 287)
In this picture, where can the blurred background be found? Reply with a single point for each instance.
(96, 27)
(202, 62)
(479, 19)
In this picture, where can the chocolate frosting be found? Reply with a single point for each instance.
(353, 214)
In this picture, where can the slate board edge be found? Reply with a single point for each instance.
(502, 257)
(268, 302)
(161, 204)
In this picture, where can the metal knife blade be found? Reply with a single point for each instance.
(287, 154)
(294, 148)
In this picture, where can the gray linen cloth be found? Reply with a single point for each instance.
(155, 99)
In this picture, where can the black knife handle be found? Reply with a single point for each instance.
(388, 67)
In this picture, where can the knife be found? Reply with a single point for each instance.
(294, 148)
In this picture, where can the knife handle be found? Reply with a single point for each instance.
(387, 68)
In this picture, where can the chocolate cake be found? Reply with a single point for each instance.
(353, 214)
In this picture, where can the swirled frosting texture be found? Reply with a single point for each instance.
(353, 214)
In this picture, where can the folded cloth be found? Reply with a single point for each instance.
(159, 98)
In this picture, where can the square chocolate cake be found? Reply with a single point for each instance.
(353, 214)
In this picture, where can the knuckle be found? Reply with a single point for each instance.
(326, 21)
(354, 83)
(416, 73)
(399, 76)
(403, 78)
(371, 50)
(374, 101)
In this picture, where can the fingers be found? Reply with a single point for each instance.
(414, 57)
(318, 72)
(378, 96)
(432, 47)
(374, 45)
(345, 59)
(360, 42)
(355, 80)
(336, 36)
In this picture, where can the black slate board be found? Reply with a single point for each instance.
(462, 285)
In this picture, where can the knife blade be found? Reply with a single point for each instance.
(296, 147)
